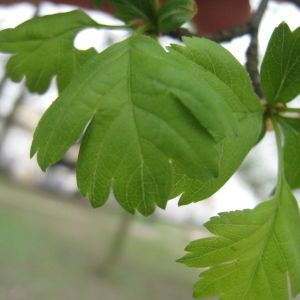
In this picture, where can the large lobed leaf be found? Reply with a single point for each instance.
(43, 48)
(146, 112)
(255, 254)
(226, 75)
(281, 65)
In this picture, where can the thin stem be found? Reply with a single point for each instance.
(279, 142)
(36, 11)
(229, 34)
(252, 51)
(252, 64)
(142, 29)
(219, 37)
(288, 109)
(259, 13)
(115, 27)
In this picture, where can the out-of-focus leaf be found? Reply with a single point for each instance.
(173, 13)
(43, 47)
(255, 254)
(134, 10)
(280, 68)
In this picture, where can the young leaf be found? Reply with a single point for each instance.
(143, 118)
(173, 13)
(43, 48)
(281, 65)
(226, 75)
(133, 10)
(291, 149)
(255, 253)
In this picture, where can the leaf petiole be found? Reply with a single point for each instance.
(115, 27)
(288, 109)
(279, 143)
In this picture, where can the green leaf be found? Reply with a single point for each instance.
(133, 10)
(43, 48)
(173, 13)
(227, 76)
(255, 254)
(234, 149)
(143, 118)
(291, 149)
(281, 65)
(221, 69)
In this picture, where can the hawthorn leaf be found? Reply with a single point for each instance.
(233, 151)
(226, 75)
(221, 69)
(281, 65)
(138, 118)
(42, 48)
(173, 13)
(132, 10)
(254, 254)
(291, 148)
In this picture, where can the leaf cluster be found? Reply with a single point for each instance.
(145, 133)
(157, 17)
(258, 250)
(156, 123)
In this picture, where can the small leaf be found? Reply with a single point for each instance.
(227, 76)
(291, 149)
(43, 48)
(281, 65)
(132, 10)
(255, 253)
(143, 118)
(173, 13)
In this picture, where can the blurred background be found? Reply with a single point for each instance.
(53, 245)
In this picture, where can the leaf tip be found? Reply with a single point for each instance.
(180, 260)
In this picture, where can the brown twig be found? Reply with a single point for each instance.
(219, 37)
(252, 51)
(252, 64)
